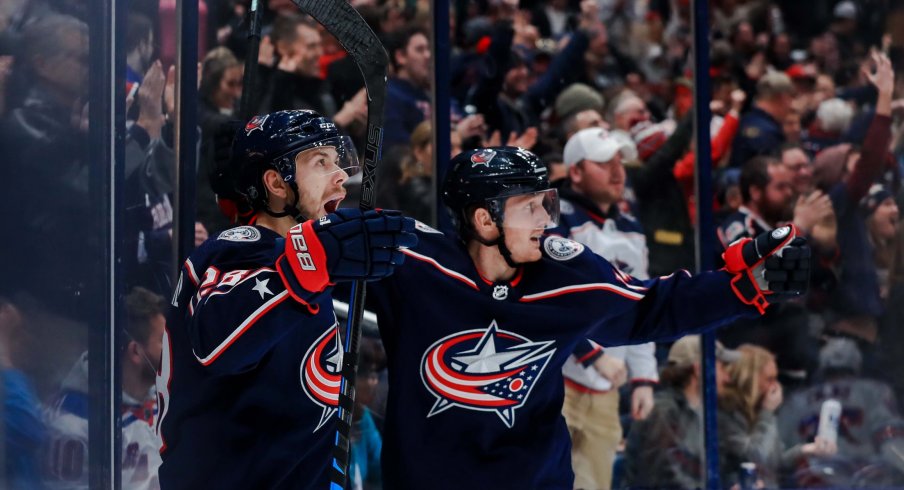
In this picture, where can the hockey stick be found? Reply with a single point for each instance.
(350, 29)
(249, 78)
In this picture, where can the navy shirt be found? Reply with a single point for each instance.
(407, 106)
(249, 382)
(475, 367)
(758, 134)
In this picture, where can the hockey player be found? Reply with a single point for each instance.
(249, 381)
(475, 359)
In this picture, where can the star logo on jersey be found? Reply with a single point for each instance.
(488, 369)
(256, 122)
(482, 157)
(319, 373)
(261, 287)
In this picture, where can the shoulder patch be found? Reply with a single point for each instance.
(425, 228)
(241, 234)
(751, 132)
(559, 248)
(565, 207)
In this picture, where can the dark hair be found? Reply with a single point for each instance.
(213, 68)
(756, 174)
(138, 31)
(399, 40)
(285, 27)
(142, 306)
(676, 376)
(788, 146)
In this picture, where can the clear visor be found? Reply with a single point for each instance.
(533, 210)
(330, 156)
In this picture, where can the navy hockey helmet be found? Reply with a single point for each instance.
(486, 177)
(273, 141)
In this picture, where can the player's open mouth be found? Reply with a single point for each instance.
(333, 204)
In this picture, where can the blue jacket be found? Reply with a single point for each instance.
(758, 134)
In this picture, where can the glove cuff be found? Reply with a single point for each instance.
(307, 258)
(745, 288)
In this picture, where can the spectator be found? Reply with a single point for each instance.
(665, 450)
(296, 82)
(415, 192)
(219, 92)
(23, 429)
(409, 54)
(590, 195)
(833, 119)
(747, 426)
(870, 429)
(139, 47)
(760, 131)
(366, 442)
(768, 192)
(49, 125)
(67, 450)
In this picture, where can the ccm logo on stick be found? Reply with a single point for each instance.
(300, 245)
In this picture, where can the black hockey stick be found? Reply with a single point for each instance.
(350, 29)
(249, 78)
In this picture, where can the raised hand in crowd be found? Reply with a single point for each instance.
(266, 55)
(354, 111)
(883, 78)
(613, 369)
(150, 100)
(525, 140)
(814, 215)
(819, 447)
(471, 126)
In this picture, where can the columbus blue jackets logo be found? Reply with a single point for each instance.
(319, 373)
(482, 157)
(256, 122)
(559, 248)
(487, 369)
(241, 234)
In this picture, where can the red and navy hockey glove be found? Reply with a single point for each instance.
(344, 246)
(773, 266)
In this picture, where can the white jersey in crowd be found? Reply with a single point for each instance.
(66, 453)
(619, 239)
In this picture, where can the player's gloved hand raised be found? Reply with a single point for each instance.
(347, 245)
(773, 266)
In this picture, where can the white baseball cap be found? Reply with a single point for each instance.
(595, 144)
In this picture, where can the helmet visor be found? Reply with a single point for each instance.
(329, 156)
(531, 210)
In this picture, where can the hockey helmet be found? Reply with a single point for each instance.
(274, 140)
(488, 177)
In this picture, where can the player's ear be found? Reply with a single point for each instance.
(275, 184)
(483, 224)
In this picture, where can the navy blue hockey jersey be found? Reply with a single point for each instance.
(249, 382)
(475, 368)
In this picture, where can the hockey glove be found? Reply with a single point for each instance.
(773, 266)
(347, 245)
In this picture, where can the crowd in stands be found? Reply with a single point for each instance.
(807, 128)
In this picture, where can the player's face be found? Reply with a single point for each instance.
(525, 220)
(320, 179)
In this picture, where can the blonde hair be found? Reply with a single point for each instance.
(742, 393)
(420, 138)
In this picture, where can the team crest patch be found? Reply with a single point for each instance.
(487, 370)
(320, 373)
(425, 228)
(256, 123)
(483, 157)
(241, 234)
(560, 248)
